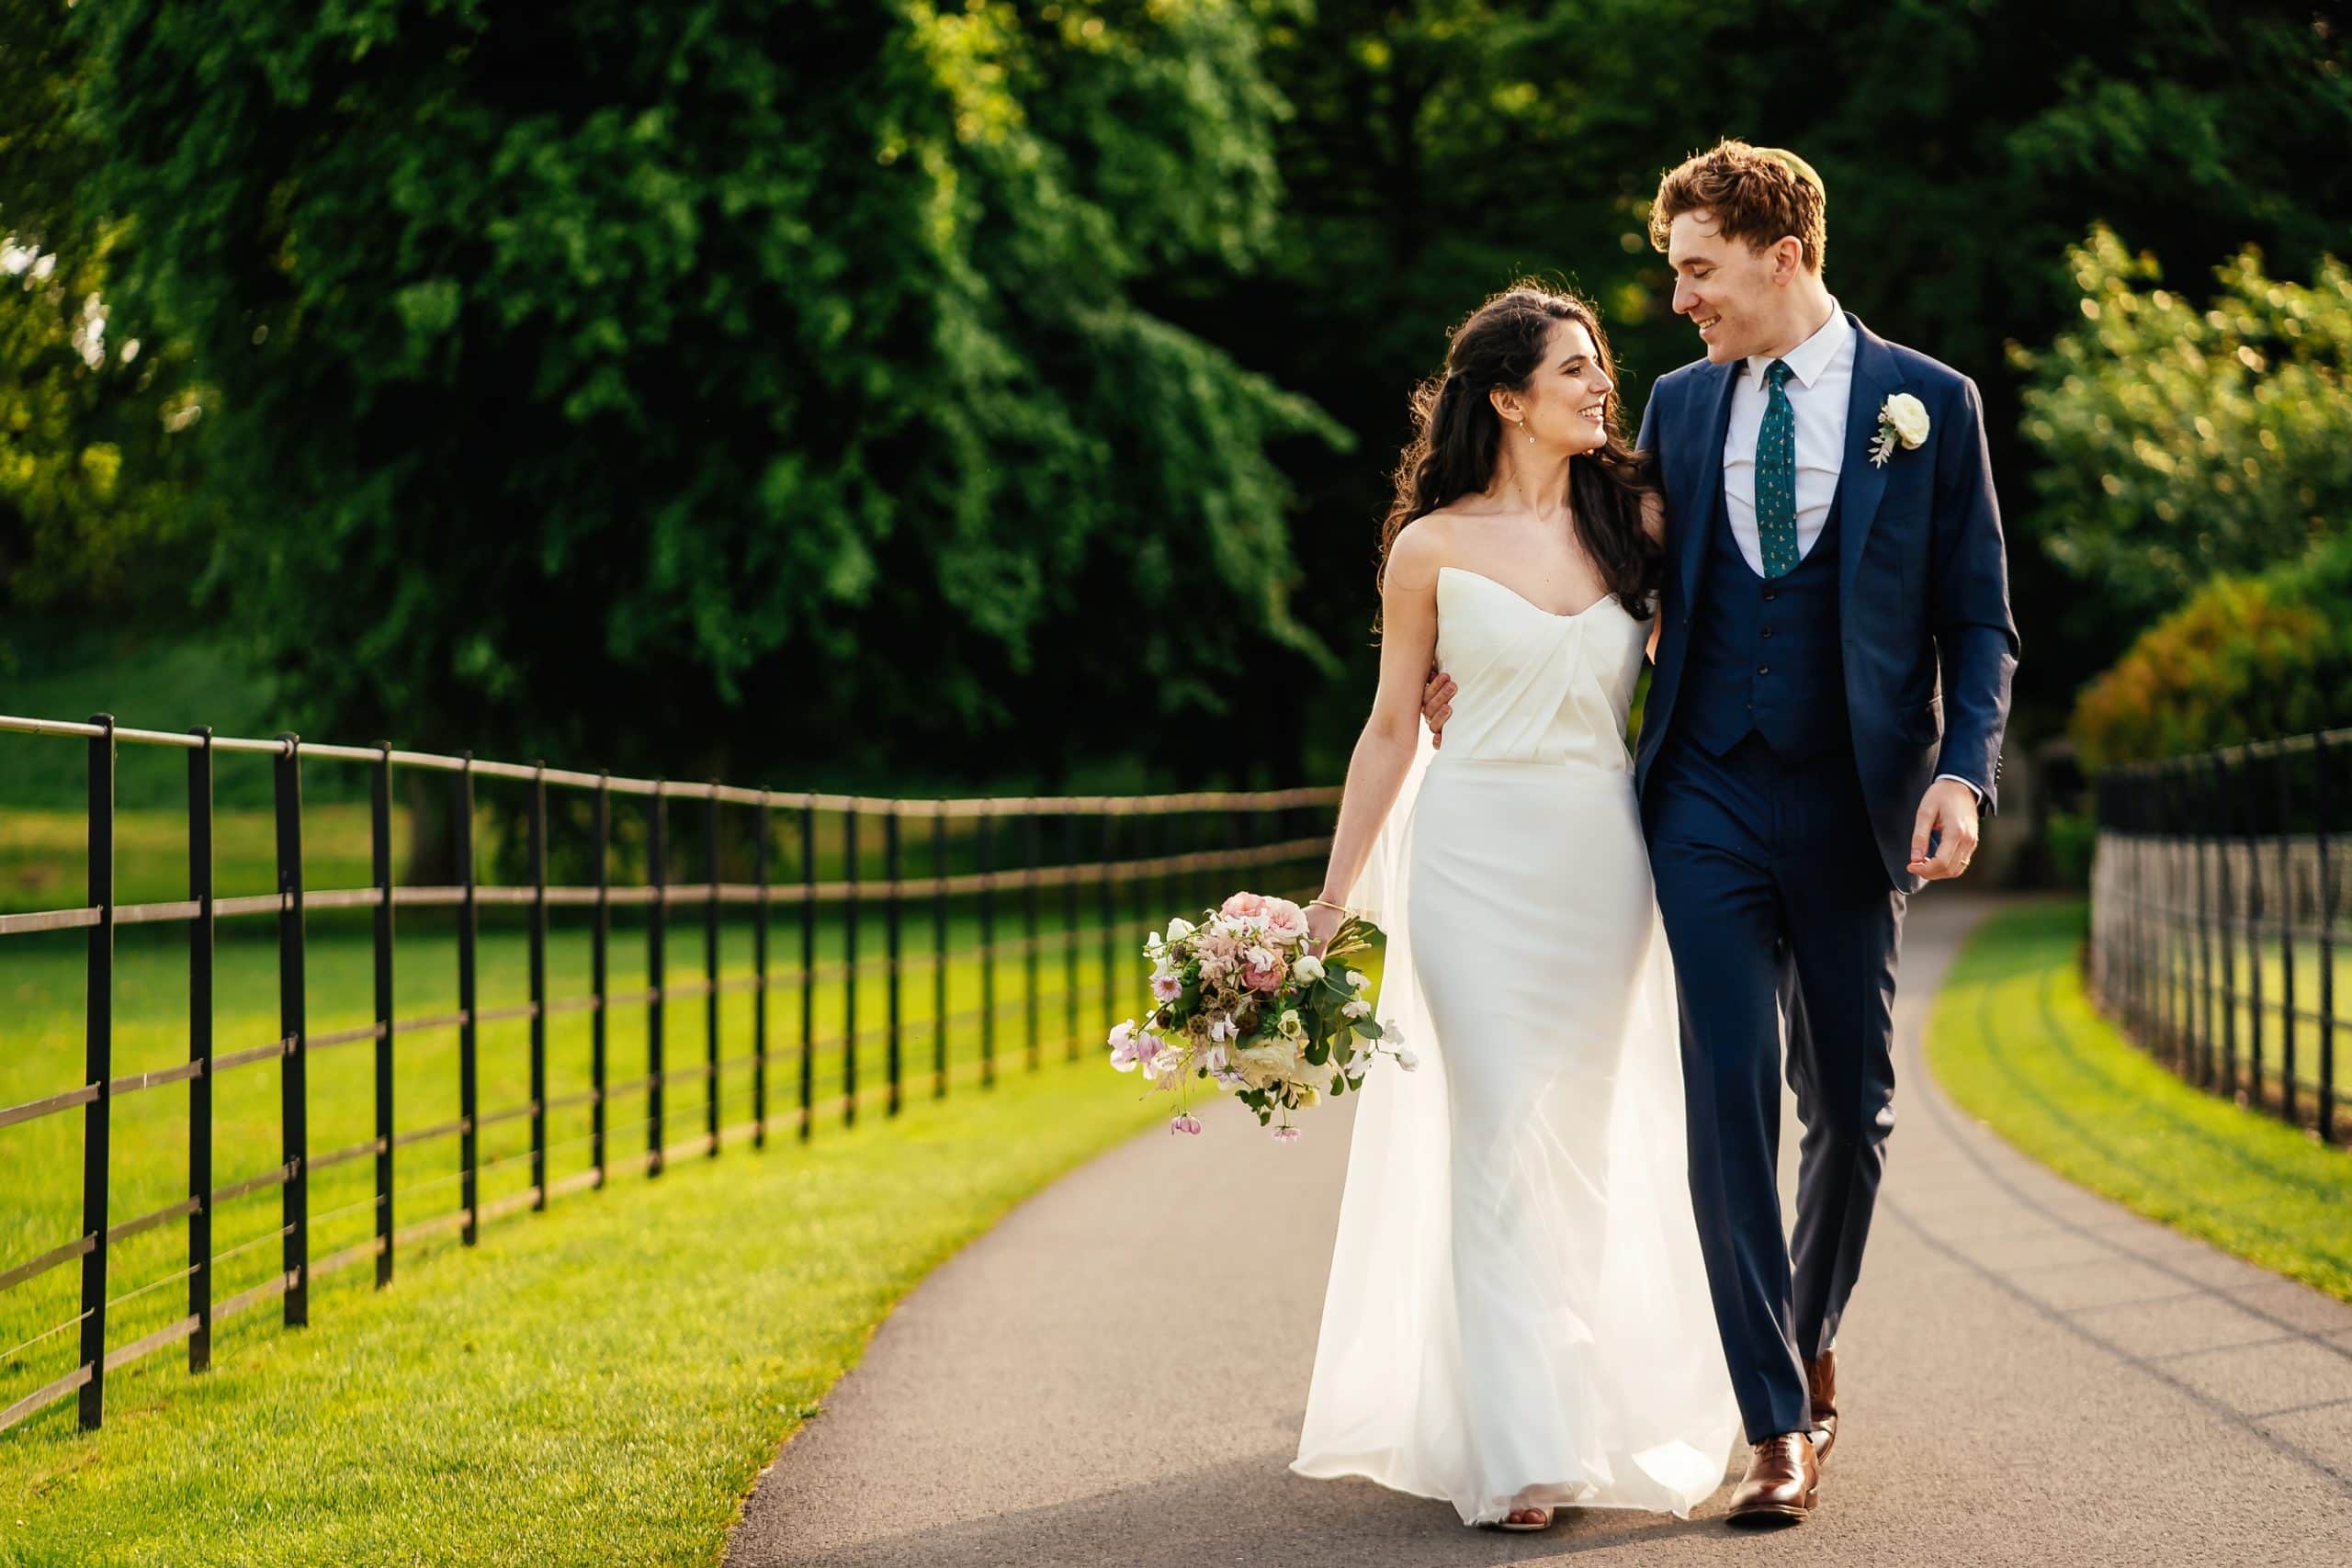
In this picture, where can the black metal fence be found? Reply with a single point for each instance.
(2217, 896)
(1078, 878)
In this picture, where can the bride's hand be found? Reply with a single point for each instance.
(1322, 923)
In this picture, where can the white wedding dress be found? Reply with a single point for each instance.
(1518, 1314)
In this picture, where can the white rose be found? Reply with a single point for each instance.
(1308, 968)
(1178, 930)
(1909, 415)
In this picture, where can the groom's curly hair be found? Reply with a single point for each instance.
(1761, 194)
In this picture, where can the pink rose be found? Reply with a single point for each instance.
(1269, 978)
(1285, 921)
(1243, 906)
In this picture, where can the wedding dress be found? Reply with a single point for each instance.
(1518, 1314)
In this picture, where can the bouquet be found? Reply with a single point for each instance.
(1240, 999)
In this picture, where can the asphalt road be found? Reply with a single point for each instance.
(1116, 1374)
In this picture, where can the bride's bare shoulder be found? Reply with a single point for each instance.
(1421, 547)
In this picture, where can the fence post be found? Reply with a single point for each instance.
(1108, 892)
(600, 939)
(939, 941)
(891, 935)
(656, 971)
(849, 965)
(468, 1034)
(98, 1069)
(2224, 918)
(2324, 799)
(710, 965)
(987, 950)
(1029, 934)
(2252, 800)
(294, 1097)
(201, 934)
(538, 958)
(379, 845)
(1069, 933)
(808, 970)
(2288, 1024)
(760, 976)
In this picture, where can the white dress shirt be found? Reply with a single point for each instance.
(1820, 385)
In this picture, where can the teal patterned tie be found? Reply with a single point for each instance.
(1776, 474)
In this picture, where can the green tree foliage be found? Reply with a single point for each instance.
(92, 505)
(729, 384)
(93, 454)
(2180, 438)
(1440, 148)
(2246, 658)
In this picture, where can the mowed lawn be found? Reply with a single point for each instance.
(2016, 1041)
(595, 1385)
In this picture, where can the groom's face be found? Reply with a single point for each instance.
(1723, 286)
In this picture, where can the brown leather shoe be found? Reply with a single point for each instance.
(1821, 1382)
(1783, 1483)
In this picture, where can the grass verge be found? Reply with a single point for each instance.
(2017, 1041)
(600, 1385)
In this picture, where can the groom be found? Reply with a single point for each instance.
(1823, 727)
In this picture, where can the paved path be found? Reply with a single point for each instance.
(2032, 1375)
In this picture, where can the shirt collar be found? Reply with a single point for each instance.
(1815, 354)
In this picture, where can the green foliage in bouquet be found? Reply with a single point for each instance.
(1240, 1001)
(2248, 658)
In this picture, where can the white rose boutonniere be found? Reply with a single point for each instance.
(1902, 418)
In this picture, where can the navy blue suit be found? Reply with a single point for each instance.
(1791, 729)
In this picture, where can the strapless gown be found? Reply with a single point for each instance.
(1518, 1312)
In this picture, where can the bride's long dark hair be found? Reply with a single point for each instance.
(1457, 439)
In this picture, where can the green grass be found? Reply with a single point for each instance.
(2271, 1061)
(44, 854)
(600, 1385)
(2017, 1041)
(72, 672)
(41, 1051)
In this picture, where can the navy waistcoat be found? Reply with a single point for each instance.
(1764, 655)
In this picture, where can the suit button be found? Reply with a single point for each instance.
(1771, 594)
(1767, 631)
(1763, 670)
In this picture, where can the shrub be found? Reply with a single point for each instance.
(2246, 659)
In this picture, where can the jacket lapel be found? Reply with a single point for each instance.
(1876, 377)
(1702, 463)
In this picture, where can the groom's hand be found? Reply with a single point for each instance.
(1437, 703)
(1948, 814)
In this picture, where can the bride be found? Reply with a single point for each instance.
(1518, 1317)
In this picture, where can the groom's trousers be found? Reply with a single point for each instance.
(1776, 906)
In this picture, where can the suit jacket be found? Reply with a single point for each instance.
(1923, 595)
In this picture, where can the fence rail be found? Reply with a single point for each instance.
(1117, 862)
(2217, 920)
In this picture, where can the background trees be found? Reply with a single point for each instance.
(867, 390)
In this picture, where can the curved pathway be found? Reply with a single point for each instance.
(2030, 1375)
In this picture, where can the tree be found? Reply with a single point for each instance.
(2182, 440)
(727, 385)
(94, 416)
(1440, 148)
